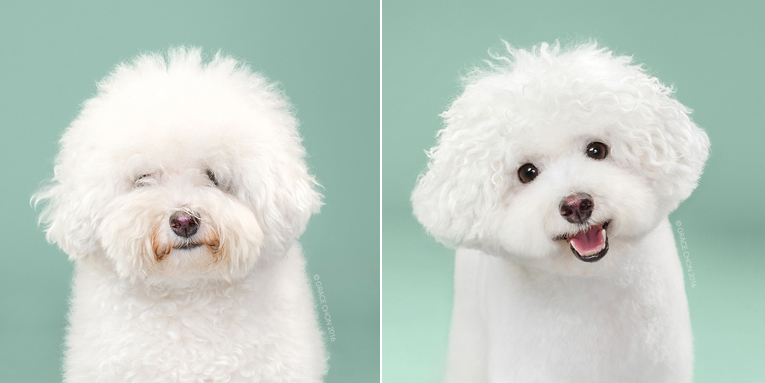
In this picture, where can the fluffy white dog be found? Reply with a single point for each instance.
(179, 193)
(554, 177)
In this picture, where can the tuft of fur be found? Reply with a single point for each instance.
(543, 106)
(169, 132)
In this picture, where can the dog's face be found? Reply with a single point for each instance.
(180, 169)
(561, 161)
(182, 206)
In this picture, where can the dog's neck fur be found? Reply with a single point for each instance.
(515, 322)
(183, 332)
(177, 284)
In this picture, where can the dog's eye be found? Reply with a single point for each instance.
(527, 173)
(211, 176)
(597, 150)
(142, 180)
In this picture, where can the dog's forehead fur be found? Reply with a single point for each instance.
(548, 99)
(180, 112)
(196, 107)
(542, 100)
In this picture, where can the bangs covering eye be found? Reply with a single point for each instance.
(142, 180)
(211, 176)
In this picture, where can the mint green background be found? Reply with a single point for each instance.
(712, 53)
(326, 56)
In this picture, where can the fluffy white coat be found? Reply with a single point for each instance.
(526, 309)
(170, 133)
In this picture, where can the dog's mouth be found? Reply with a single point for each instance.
(188, 246)
(590, 244)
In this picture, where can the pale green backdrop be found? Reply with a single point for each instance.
(326, 56)
(711, 51)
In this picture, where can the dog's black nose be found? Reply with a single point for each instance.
(184, 224)
(577, 208)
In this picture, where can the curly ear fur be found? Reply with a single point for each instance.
(65, 225)
(521, 89)
(464, 175)
(666, 145)
(71, 203)
(285, 198)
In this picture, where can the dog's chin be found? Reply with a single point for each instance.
(188, 246)
(589, 244)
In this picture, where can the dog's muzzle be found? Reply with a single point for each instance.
(590, 244)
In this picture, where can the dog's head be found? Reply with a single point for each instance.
(553, 156)
(180, 168)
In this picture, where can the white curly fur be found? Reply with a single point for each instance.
(526, 309)
(238, 308)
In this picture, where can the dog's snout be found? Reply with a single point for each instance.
(184, 224)
(577, 208)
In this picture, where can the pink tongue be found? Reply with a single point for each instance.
(590, 241)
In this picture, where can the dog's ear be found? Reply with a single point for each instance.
(666, 146)
(70, 206)
(465, 174)
(689, 151)
(284, 200)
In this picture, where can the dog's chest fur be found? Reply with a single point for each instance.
(262, 329)
(513, 324)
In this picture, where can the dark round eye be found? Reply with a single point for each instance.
(211, 176)
(527, 173)
(597, 150)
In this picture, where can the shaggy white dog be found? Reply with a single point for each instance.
(179, 193)
(554, 177)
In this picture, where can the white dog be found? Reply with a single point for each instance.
(554, 177)
(179, 193)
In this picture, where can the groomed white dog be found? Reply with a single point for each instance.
(179, 193)
(554, 177)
